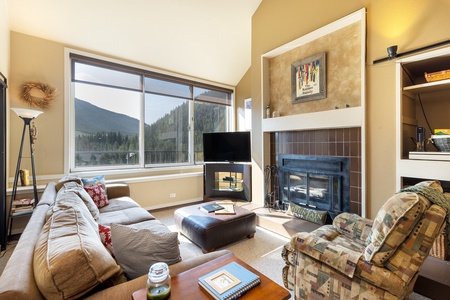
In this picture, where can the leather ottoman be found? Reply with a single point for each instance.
(210, 231)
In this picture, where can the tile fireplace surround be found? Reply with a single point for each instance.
(342, 142)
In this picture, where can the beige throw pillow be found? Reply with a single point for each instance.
(393, 223)
(138, 246)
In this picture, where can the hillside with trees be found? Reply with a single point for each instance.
(108, 138)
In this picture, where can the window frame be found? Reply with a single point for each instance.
(72, 55)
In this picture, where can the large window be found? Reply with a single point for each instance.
(128, 117)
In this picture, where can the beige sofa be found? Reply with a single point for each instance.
(60, 255)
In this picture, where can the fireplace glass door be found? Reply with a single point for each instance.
(315, 190)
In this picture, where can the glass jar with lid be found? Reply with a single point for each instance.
(158, 282)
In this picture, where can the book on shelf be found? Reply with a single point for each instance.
(228, 208)
(211, 207)
(429, 155)
(21, 210)
(229, 282)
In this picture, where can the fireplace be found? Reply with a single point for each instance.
(342, 145)
(317, 182)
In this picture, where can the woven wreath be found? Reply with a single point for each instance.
(44, 102)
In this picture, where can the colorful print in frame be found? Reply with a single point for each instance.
(308, 79)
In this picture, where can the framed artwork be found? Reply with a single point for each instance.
(222, 281)
(308, 79)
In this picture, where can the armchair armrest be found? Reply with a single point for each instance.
(353, 226)
(336, 256)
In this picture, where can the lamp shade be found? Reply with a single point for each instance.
(27, 113)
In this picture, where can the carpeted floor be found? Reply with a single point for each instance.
(262, 252)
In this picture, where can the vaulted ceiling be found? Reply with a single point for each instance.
(207, 39)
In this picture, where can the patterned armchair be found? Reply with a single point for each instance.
(357, 258)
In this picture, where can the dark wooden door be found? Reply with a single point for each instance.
(3, 218)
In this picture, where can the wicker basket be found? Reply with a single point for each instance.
(436, 76)
(442, 142)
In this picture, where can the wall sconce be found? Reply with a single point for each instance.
(392, 51)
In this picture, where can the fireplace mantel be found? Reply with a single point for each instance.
(338, 118)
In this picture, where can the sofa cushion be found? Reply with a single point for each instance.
(77, 193)
(138, 246)
(125, 216)
(393, 223)
(97, 194)
(68, 178)
(120, 203)
(69, 258)
(353, 226)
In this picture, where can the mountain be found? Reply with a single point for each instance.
(92, 119)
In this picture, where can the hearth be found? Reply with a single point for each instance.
(318, 182)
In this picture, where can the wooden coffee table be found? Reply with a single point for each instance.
(185, 285)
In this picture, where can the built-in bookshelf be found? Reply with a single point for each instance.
(421, 104)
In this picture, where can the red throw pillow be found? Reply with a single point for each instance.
(97, 194)
(105, 236)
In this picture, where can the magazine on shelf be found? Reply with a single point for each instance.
(211, 207)
(23, 202)
(229, 282)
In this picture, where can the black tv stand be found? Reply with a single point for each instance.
(227, 180)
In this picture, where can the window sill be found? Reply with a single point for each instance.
(144, 175)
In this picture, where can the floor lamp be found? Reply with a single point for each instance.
(27, 115)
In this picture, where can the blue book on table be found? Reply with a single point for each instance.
(229, 282)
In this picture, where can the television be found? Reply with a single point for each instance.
(227, 147)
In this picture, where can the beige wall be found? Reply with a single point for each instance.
(243, 92)
(408, 23)
(38, 59)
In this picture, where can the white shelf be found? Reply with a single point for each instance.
(428, 169)
(338, 118)
(26, 189)
(441, 156)
(428, 87)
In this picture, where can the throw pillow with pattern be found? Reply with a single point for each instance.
(97, 194)
(105, 236)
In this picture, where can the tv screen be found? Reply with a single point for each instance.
(227, 147)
